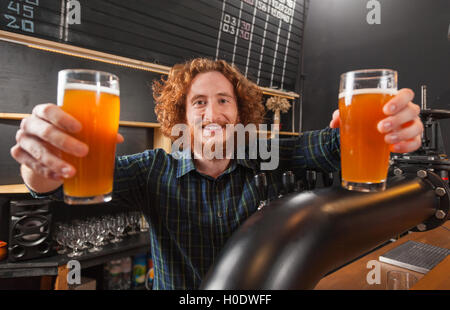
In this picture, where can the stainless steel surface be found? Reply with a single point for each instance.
(422, 227)
(423, 103)
(440, 191)
(439, 214)
(422, 174)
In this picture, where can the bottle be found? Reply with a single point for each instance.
(150, 273)
(143, 223)
(126, 273)
(114, 281)
(139, 270)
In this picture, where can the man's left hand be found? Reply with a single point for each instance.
(402, 126)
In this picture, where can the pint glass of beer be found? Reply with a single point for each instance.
(364, 154)
(92, 97)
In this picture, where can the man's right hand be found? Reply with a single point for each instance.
(40, 140)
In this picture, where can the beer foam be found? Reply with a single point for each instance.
(94, 88)
(364, 91)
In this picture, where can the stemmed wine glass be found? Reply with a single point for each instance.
(96, 236)
(75, 240)
(61, 237)
(111, 225)
(143, 225)
(85, 232)
(119, 227)
(104, 229)
(130, 223)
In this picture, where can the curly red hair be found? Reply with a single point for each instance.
(170, 93)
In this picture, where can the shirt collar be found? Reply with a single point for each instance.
(186, 163)
(248, 163)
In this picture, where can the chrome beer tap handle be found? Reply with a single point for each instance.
(261, 185)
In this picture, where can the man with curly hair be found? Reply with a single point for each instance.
(193, 204)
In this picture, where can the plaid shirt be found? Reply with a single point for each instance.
(192, 215)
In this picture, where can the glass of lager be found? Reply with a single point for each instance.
(364, 154)
(92, 97)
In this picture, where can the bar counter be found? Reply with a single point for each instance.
(353, 276)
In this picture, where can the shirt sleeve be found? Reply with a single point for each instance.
(130, 180)
(57, 194)
(312, 150)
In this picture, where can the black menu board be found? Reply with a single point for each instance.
(262, 37)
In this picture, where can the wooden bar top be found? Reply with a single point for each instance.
(437, 278)
(353, 276)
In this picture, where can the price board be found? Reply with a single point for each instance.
(262, 38)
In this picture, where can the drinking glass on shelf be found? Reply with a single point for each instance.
(143, 222)
(61, 237)
(75, 242)
(84, 232)
(89, 234)
(130, 224)
(135, 219)
(104, 230)
(112, 224)
(96, 235)
(119, 223)
(102, 233)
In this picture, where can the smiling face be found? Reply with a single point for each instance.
(211, 102)
(171, 102)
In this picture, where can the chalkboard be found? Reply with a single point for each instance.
(262, 37)
(29, 76)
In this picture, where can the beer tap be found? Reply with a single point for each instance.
(426, 141)
(288, 181)
(311, 179)
(261, 185)
(423, 103)
(327, 178)
(299, 185)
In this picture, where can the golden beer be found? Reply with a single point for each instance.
(97, 108)
(364, 153)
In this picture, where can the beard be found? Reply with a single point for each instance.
(212, 140)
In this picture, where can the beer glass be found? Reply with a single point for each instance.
(364, 154)
(400, 280)
(92, 97)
